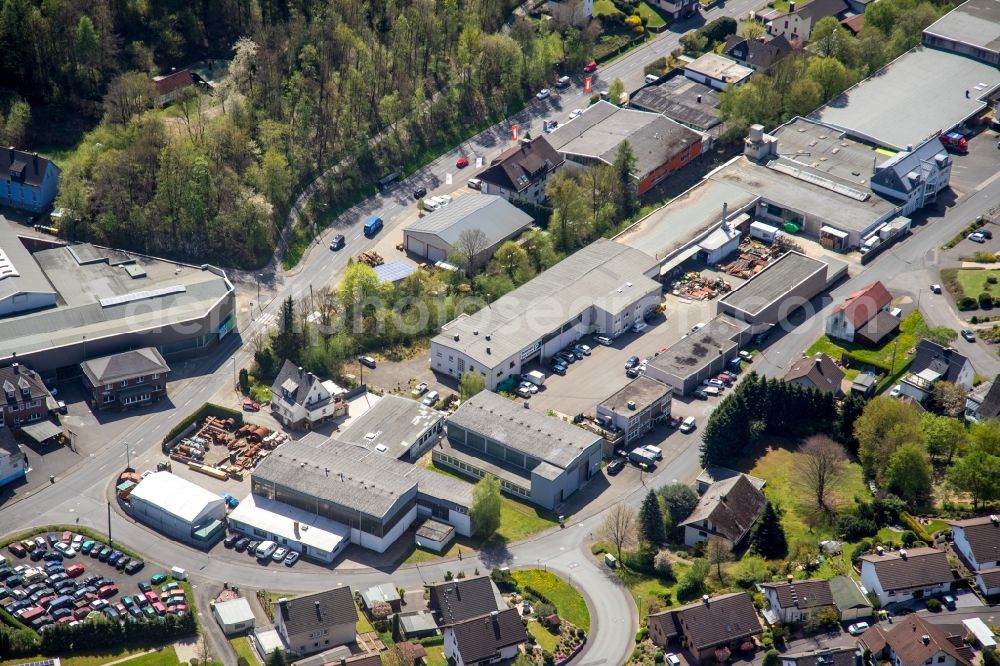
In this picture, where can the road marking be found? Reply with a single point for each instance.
(988, 181)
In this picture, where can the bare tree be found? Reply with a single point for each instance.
(468, 246)
(203, 651)
(128, 95)
(718, 552)
(619, 527)
(820, 467)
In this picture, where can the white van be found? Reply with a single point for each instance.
(652, 78)
(266, 549)
(178, 574)
(431, 398)
(688, 424)
(713, 391)
(655, 450)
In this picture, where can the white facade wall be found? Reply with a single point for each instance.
(451, 651)
(984, 588)
(871, 582)
(12, 467)
(786, 615)
(962, 545)
(381, 544)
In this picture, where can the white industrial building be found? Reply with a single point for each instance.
(178, 508)
(603, 288)
(234, 616)
(303, 531)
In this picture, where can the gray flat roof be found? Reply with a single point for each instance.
(915, 96)
(99, 300)
(975, 22)
(688, 355)
(642, 390)
(773, 282)
(604, 273)
(372, 482)
(720, 68)
(603, 127)
(19, 274)
(678, 98)
(685, 218)
(493, 215)
(545, 437)
(393, 422)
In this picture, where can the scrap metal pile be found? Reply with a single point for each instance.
(241, 447)
(698, 287)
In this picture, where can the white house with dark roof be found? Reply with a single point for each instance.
(977, 542)
(300, 399)
(537, 458)
(316, 622)
(935, 363)
(796, 25)
(913, 573)
(799, 600)
(487, 639)
(728, 510)
(435, 235)
(913, 641)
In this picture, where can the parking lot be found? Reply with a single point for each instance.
(64, 577)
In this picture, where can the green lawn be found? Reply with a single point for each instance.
(782, 5)
(363, 625)
(435, 656)
(96, 658)
(880, 357)
(165, 657)
(568, 602)
(644, 588)
(973, 281)
(605, 8)
(243, 649)
(653, 17)
(543, 636)
(777, 465)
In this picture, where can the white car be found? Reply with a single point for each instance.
(697, 327)
(858, 628)
(443, 199)
(604, 340)
(673, 659)
(896, 390)
(431, 204)
(522, 391)
(421, 388)
(575, 113)
(529, 386)
(639, 327)
(543, 93)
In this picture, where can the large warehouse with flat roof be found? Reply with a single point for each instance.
(602, 288)
(396, 426)
(779, 290)
(107, 301)
(921, 93)
(972, 29)
(700, 355)
(178, 508)
(371, 493)
(537, 457)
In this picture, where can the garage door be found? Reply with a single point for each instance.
(436, 253)
(416, 246)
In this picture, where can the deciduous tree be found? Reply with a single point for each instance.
(471, 383)
(943, 436)
(976, 473)
(680, 501)
(909, 473)
(820, 466)
(468, 247)
(883, 426)
(718, 552)
(484, 514)
(619, 527)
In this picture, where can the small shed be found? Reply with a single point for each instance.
(981, 633)
(434, 535)
(385, 592)
(234, 616)
(417, 625)
(863, 384)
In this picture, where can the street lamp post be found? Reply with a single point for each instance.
(128, 457)
(258, 276)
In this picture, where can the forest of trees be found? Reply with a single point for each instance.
(310, 82)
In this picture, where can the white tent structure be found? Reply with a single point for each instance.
(178, 508)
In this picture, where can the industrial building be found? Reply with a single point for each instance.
(603, 288)
(435, 235)
(373, 495)
(661, 146)
(301, 530)
(537, 458)
(700, 355)
(63, 305)
(779, 290)
(688, 102)
(637, 408)
(235, 617)
(396, 426)
(948, 88)
(178, 508)
(717, 71)
(971, 29)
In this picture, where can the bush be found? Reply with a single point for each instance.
(642, 634)
(985, 301)
(933, 605)
(242, 661)
(503, 579)
(916, 527)
(659, 657)
(662, 566)
(967, 303)
(854, 529)
(908, 538)
(771, 658)
(825, 619)
(863, 547)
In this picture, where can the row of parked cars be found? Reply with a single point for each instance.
(561, 360)
(264, 551)
(67, 545)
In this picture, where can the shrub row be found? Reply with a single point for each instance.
(957, 238)
(916, 527)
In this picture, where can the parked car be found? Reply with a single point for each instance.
(746, 356)
(968, 335)
(575, 113)
(714, 382)
(250, 405)
(242, 544)
(420, 192)
(673, 659)
(633, 372)
(590, 67)
(17, 550)
(53, 556)
(603, 340)
(655, 450)
(66, 549)
(431, 398)
(291, 558)
(135, 566)
(338, 242)
(977, 237)
(949, 601)
(615, 466)
(279, 554)
(543, 93)
(639, 327)
(986, 234)
(858, 628)
(631, 362)
(522, 392)
(87, 546)
(566, 357)
(74, 570)
(431, 204)
(421, 388)
(688, 424)
(936, 288)
(583, 349)
(558, 368)
(563, 82)
(462, 162)
(475, 183)
(159, 578)
(230, 540)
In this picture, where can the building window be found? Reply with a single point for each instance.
(156, 375)
(124, 382)
(139, 379)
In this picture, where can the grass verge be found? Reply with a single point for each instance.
(241, 645)
(94, 658)
(568, 602)
(654, 18)
(435, 656)
(545, 638)
(165, 657)
(882, 357)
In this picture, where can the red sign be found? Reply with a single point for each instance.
(586, 83)
(513, 131)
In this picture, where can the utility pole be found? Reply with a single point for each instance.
(111, 542)
(128, 457)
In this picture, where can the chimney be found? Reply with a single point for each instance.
(300, 369)
(995, 519)
(319, 613)
(926, 639)
(819, 362)
(791, 6)
(282, 602)
(704, 599)
(902, 553)
(725, 211)
(16, 367)
(699, 99)
(487, 350)
(631, 405)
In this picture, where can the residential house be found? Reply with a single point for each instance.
(13, 462)
(714, 474)
(25, 396)
(816, 372)
(463, 599)
(521, 172)
(796, 25)
(797, 601)
(717, 71)
(170, 87)
(571, 12)
(27, 182)
(708, 627)
(317, 622)
(906, 574)
(128, 379)
(677, 8)
(977, 542)
(437, 235)
(728, 510)
(494, 637)
(914, 177)
(983, 402)
(850, 318)
(913, 641)
(757, 54)
(637, 408)
(935, 363)
(300, 399)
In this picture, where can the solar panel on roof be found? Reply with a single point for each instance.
(141, 295)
